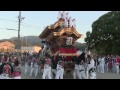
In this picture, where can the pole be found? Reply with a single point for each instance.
(26, 41)
(19, 22)
(20, 18)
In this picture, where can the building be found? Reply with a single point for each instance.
(34, 49)
(6, 46)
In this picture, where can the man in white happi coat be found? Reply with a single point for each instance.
(76, 73)
(44, 48)
(47, 69)
(32, 66)
(117, 64)
(26, 66)
(92, 73)
(82, 74)
(102, 64)
(17, 70)
(36, 68)
(60, 70)
(91, 64)
(82, 70)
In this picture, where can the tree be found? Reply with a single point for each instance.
(105, 34)
(88, 39)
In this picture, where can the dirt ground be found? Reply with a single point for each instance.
(106, 75)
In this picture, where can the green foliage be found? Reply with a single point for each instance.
(105, 34)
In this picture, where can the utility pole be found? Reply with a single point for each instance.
(20, 18)
(26, 41)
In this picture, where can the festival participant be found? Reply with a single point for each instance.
(76, 72)
(102, 63)
(76, 65)
(106, 62)
(36, 67)
(98, 63)
(60, 70)
(82, 70)
(91, 65)
(110, 64)
(32, 66)
(92, 73)
(47, 69)
(44, 48)
(17, 70)
(117, 63)
(27, 66)
(6, 69)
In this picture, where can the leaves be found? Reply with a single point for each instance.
(106, 34)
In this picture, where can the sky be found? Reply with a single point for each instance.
(35, 22)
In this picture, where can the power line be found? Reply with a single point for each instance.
(8, 20)
(24, 24)
(17, 30)
(31, 25)
(8, 29)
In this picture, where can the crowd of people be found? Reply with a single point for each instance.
(53, 67)
(10, 66)
(109, 63)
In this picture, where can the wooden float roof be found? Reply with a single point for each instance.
(51, 31)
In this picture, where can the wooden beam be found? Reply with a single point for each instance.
(66, 54)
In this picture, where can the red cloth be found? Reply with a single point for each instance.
(117, 60)
(68, 58)
(7, 69)
(16, 74)
(67, 50)
(48, 61)
(110, 64)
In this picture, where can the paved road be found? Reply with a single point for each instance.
(106, 75)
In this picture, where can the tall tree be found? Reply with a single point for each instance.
(105, 33)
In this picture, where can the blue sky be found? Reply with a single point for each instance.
(35, 21)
